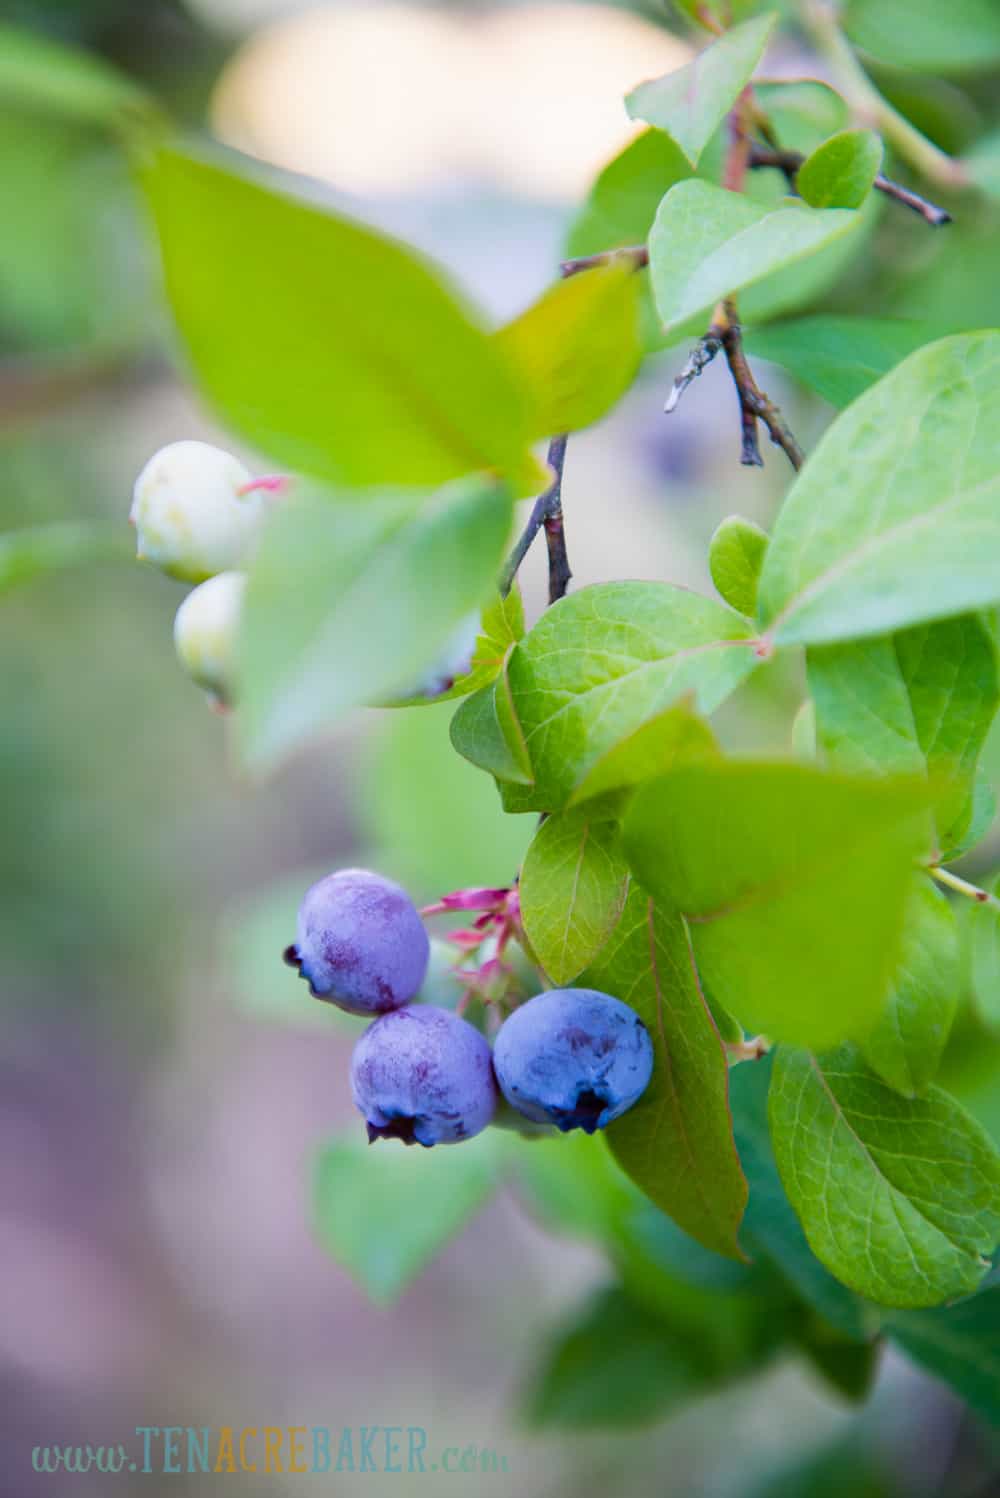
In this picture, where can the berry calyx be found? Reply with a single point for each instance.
(360, 942)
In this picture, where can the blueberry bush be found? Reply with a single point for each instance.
(759, 981)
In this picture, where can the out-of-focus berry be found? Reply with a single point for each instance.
(196, 511)
(206, 632)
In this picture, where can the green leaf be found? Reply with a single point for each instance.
(578, 348)
(919, 702)
(37, 73)
(735, 557)
(622, 203)
(335, 350)
(573, 886)
(838, 357)
(979, 929)
(383, 1213)
(803, 111)
(793, 881)
(38, 550)
(925, 35)
(770, 1226)
(676, 1143)
(847, 1366)
(908, 1039)
(485, 731)
(840, 172)
(960, 1344)
(708, 243)
(501, 625)
(691, 103)
(350, 602)
(983, 165)
(613, 1364)
(895, 517)
(604, 662)
(899, 1197)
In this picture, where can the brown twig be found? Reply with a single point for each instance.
(638, 254)
(546, 513)
(754, 404)
(788, 162)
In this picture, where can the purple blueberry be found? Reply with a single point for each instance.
(361, 943)
(573, 1057)
(424, 1076)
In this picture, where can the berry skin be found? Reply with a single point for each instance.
(423, 1075)
(361, 943)
(206, 632)
(573, 1057)
(190, 516)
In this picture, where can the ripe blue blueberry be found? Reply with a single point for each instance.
(573, 1057)
(424, 1076)
(360, 942)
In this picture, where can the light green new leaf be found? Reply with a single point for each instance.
(803, 111)
(486, 732)
(838, 357)
(979, 929)
(690, 103)
(919, 702)
(40, 74)
(576, 351)
(840, 172)
(895, 517)
(36, 551)
(622, 203)
(480, 655)
(349, 602)
(603, 663)
(330, 347)
(908, 1038)
(735, 557)
(793, 881)
(925, 35)
(770, 1226)
(899, 1197)
(383, 1212)
(677, 1142)
(960, 1344)
(573, 886)
(708, 243)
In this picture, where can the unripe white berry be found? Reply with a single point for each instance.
(191, 518)
(206, 632)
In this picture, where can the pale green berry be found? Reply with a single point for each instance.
(206, 631)
(193, 512)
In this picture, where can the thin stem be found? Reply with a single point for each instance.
(789, 162)
(747, 1050)
(819, 17)
(699, 358)
(754, 404)
(963, 887)
(555, 533)
(638, 254)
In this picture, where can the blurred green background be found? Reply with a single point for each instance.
(156, 1120)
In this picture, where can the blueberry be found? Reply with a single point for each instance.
(424, 1076)
(573, 1057)
(361, 943)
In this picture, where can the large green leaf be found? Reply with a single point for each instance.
(838, 357)
(793, 881)
(963, 36)
(960, 1344)
(899, 1197)
(40, 74)
(384, 1212)
(770, 1226)
(908, 1038)
(333, 349)
(677, 1142)
(840, 172)
(603, 663)
(918, 702)
(577, 349)
(690, 103)
(349, 602)
(707, 243)
(896, 516)
(572, 888)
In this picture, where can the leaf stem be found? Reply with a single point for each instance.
(963, 887)
(819, 18)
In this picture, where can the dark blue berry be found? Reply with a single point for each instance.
(573, 1057)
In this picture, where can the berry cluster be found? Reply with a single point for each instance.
(198, 514)
(570, 1057)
